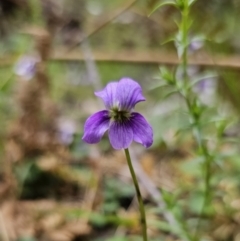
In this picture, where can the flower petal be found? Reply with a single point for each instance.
(120, 135)
(108, 94)
(128, 93)
(142, 131)
(95, 126)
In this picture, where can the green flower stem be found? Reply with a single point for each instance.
(186, 93)
(139, 196)
(206, 172)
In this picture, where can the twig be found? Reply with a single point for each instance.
(152, 57)
(5, 236)
(120, 12)
(149, 57)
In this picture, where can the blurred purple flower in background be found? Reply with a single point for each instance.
(123, 125)
(26, 67)
(66, 131)
(206, 90)
(195, 45)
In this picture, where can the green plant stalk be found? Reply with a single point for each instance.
(204, 152)
(139, 196)
(184, 26)
(207, 174)
(194, 121)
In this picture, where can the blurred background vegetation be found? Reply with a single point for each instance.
(53, 55)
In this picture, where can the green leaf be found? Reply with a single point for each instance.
(190, 2)
(110, 207)
(24, 171)
(27, 239)
(118, 239)
(171, 39)
(5, 85)
(98, 219)
(192, 167)
(167, 76)
(158, 85)
(178, 44)
(172, 92)
(164, 226)
(200, 78)
(180, 4)
(196, 202)
(164, 3)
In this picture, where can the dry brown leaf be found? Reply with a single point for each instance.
(52, 221)
(224, 231)
(59, 235)
(148, 163)
(48, 163)
(79, 228)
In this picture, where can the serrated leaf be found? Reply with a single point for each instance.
(164, 3)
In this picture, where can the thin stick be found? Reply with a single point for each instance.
(104, 24)
(5, 236)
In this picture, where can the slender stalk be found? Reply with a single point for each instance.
(194, 120)
(139, 196)
(197, 133)
(206, 173)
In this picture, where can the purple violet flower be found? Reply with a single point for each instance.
(123, 125)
